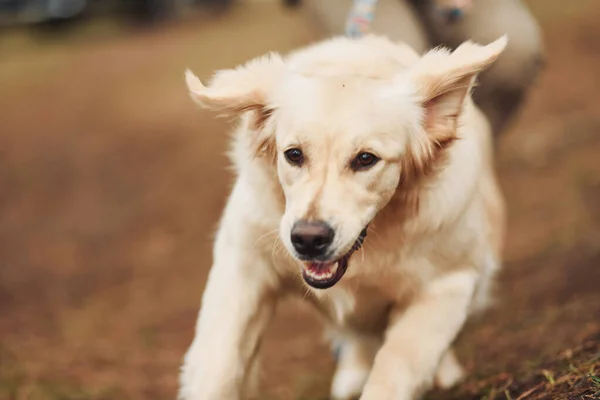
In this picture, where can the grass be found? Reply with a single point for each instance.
(570, 374)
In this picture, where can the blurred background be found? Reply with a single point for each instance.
(112, 182)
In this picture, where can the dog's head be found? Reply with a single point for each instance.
(345, 123)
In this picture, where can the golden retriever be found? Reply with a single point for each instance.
(340, 140)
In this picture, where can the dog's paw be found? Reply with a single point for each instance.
(348, 383)
(449, 372)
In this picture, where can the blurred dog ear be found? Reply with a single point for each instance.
(444, 79)
(234, 91)
(246, 88)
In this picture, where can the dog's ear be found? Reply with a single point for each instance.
(246, 88)
(233, 91)
(444, 79)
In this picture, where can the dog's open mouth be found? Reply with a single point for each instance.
(323, 275)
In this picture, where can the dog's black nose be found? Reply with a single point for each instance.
(311, 239)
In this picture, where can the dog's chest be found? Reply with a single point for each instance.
(386, 280)
(362, 308)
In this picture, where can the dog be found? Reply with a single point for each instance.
(365, 187)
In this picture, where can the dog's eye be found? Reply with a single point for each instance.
(364, 161)
(294, 156)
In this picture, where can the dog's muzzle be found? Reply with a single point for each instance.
(323, 275)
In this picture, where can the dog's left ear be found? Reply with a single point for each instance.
(444, 79)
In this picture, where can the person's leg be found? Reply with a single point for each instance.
(502, 88)
(394, 19)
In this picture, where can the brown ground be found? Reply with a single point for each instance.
(111, 183)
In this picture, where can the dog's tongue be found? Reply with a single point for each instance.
(320, 267)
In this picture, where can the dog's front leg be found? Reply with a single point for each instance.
(238, 302)
(416, 340)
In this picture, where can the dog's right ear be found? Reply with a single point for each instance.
(246, 88)
(234, 91)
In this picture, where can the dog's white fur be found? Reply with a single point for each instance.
(434, 207)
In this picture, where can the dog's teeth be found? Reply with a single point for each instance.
(334, 269)
(322, 272)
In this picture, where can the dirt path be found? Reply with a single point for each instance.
(111, 183)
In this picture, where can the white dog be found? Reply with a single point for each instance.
(337, 140)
